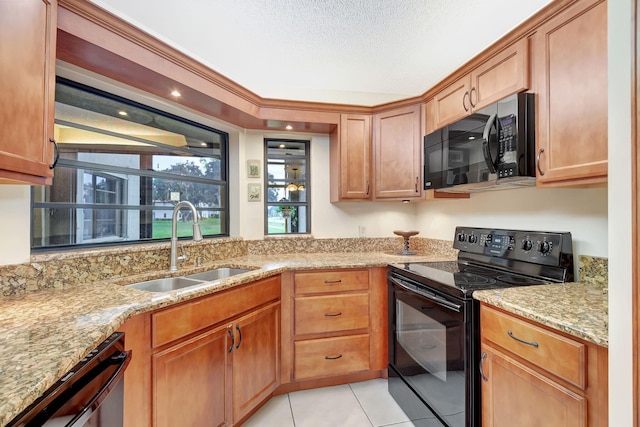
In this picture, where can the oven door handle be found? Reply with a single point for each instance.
(428, 295)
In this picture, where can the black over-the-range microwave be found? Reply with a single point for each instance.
(493, 146)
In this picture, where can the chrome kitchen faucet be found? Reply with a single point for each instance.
(197, 234)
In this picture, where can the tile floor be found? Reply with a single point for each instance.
(362, 404)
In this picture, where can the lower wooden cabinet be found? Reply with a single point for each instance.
(533, 376)
(190, 382)
(334, 326)
(206, 362)
(516, 392)
(255, 357)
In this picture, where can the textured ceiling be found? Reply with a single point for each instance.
(363, 52)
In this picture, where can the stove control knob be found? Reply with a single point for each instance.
(527, 245)
(544, 247)
(473, 238)
(461, 237)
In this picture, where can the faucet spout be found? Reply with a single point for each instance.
(197, 233)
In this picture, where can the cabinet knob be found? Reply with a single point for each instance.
(56, 154)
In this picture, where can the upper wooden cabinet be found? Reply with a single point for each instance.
(397, 153)
(571, 108)
(27, 60)
(350, 150)
(501, 75)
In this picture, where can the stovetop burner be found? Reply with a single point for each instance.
(470, 279)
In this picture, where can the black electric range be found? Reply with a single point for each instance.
(434, 338)
(493, 258)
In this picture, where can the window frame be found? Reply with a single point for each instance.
(223, 183)
(306, 180)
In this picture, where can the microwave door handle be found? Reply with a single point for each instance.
(486, 149)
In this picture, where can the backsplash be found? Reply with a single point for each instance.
(594, 270)
(73, 268)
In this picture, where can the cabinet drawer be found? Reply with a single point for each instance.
(331, 281)
(182, 320)
(319, 314)
(331, 356)
(561, 356)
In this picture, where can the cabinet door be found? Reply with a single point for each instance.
(397, 152)
(450, 104)
(513, 391)
(256, 362)
(502, 75)
(355, 157)
(27, 60)
(571, 80)
(190, 382)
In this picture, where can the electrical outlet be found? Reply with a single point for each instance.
(362, 231)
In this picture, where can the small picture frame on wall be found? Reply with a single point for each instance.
(254, 192)
(253, 168)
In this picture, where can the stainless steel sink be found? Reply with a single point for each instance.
(173, 283)
(218, 273)
(164, 285)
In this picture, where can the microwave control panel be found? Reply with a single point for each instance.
(508, 147)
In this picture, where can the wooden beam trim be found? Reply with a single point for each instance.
(106, 20)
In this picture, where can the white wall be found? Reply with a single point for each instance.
(620, 219)
(15, 223)
(583, 212)
(327, 219)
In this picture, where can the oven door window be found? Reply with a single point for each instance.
(429, 352)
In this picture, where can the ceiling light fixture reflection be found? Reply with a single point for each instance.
(293, 187)
(282, 146)
(122, 113)
(176, 93)
(289, 127)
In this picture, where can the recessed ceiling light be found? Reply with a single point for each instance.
(122, 113)
(282, 146)
(472, 137)
(289, 127)
(204, 144)
(175, 93)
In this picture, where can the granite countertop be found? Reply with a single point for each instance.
(44, 334)
(576, 308)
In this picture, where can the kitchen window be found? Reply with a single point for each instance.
(122, 168)
(287, 209)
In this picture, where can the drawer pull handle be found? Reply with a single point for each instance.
(233, 339)
(333, 314)
(531, 343)
(482, 375)
(239, 337)
(540, 171)
(56, 155)
(329, 282)
(333, 357)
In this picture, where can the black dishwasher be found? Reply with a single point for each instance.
(90, 394)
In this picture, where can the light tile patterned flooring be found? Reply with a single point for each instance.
(362, 404)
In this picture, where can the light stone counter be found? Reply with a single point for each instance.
(43, 334)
